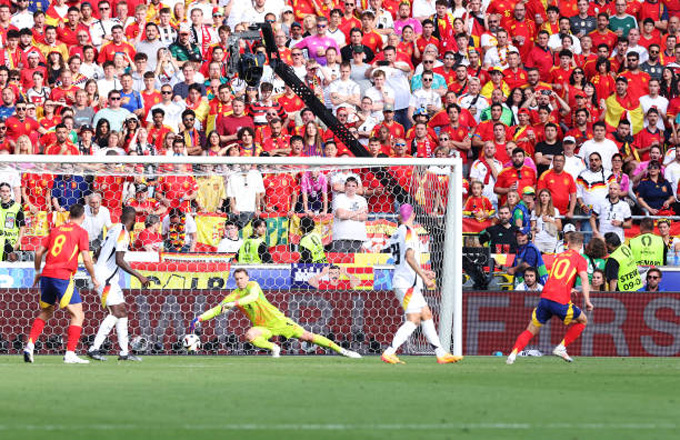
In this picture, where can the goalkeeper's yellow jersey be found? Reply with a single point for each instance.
(256, 307)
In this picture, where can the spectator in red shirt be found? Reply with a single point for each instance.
(149, 239)
(540, 56)
(229, 126)
(515, 177)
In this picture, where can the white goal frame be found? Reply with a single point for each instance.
(451, 307)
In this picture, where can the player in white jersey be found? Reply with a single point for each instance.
(109, 263)
(407, 282)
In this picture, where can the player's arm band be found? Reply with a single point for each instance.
(210, 314)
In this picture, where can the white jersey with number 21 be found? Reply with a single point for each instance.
(404, 276)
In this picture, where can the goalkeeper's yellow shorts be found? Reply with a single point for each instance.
(286, 328)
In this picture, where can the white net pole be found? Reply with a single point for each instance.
(451, 311)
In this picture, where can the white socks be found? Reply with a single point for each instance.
(122, 330)
(104, 330)
(401, 336)
(432, 337)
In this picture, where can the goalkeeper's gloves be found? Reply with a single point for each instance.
(194, 324)
(228, 306)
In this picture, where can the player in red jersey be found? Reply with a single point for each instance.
(556, 299)
(57, 288)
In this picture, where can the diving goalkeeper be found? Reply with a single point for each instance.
(267, 320)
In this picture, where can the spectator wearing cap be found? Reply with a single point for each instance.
(395, 129)
(516, 177)
(295, 35)
(521, 214)
(654, 193)
(86, 145)
(496, 83)
(184, 49)
(527, 255)
(114, 113)
(560, 184)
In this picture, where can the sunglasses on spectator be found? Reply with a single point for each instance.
(166, 92)
(427, 79)
(115, 98)
(321, 26)
(3, 128)
(653, 277)
(399, 144)
(21, 109)
(428, 62)
(104, 8)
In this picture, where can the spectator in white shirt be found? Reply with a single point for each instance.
(600, 144)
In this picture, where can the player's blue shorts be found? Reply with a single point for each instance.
(55, 289)
(546, 309)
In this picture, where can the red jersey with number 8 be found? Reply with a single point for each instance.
(565, 269)
(63, 245)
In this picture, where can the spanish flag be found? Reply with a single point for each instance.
(616, 111)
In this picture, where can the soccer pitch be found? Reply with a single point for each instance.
(329, 397)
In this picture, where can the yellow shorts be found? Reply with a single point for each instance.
(286, 328)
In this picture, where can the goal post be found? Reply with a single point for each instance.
(371, 309)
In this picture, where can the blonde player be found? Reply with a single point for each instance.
(267, 320)
(407, 282)
(111, 260)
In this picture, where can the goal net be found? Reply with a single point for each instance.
(195, 216)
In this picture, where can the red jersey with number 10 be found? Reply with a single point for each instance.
(63, 246)
(563, 273)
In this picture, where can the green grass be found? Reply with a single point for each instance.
(335, 398)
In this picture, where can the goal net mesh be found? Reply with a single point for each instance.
(190, 260)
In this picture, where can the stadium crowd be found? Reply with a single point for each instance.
(564, 113)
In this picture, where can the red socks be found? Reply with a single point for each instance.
(573, 332)
(36, 330)
(73, 337)
(522, 341)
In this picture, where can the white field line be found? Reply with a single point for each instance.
(357, 427)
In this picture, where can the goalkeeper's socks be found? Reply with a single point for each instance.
(432, 337)
(325, 342)
(122, 330)
(104, 330)
(74, 332)
(573, 332)
(261, 342)
(36, 330)
(522, 341)
(401, 336)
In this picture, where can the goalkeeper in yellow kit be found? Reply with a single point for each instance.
(267, 320)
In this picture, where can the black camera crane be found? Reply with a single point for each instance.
(384, 176)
